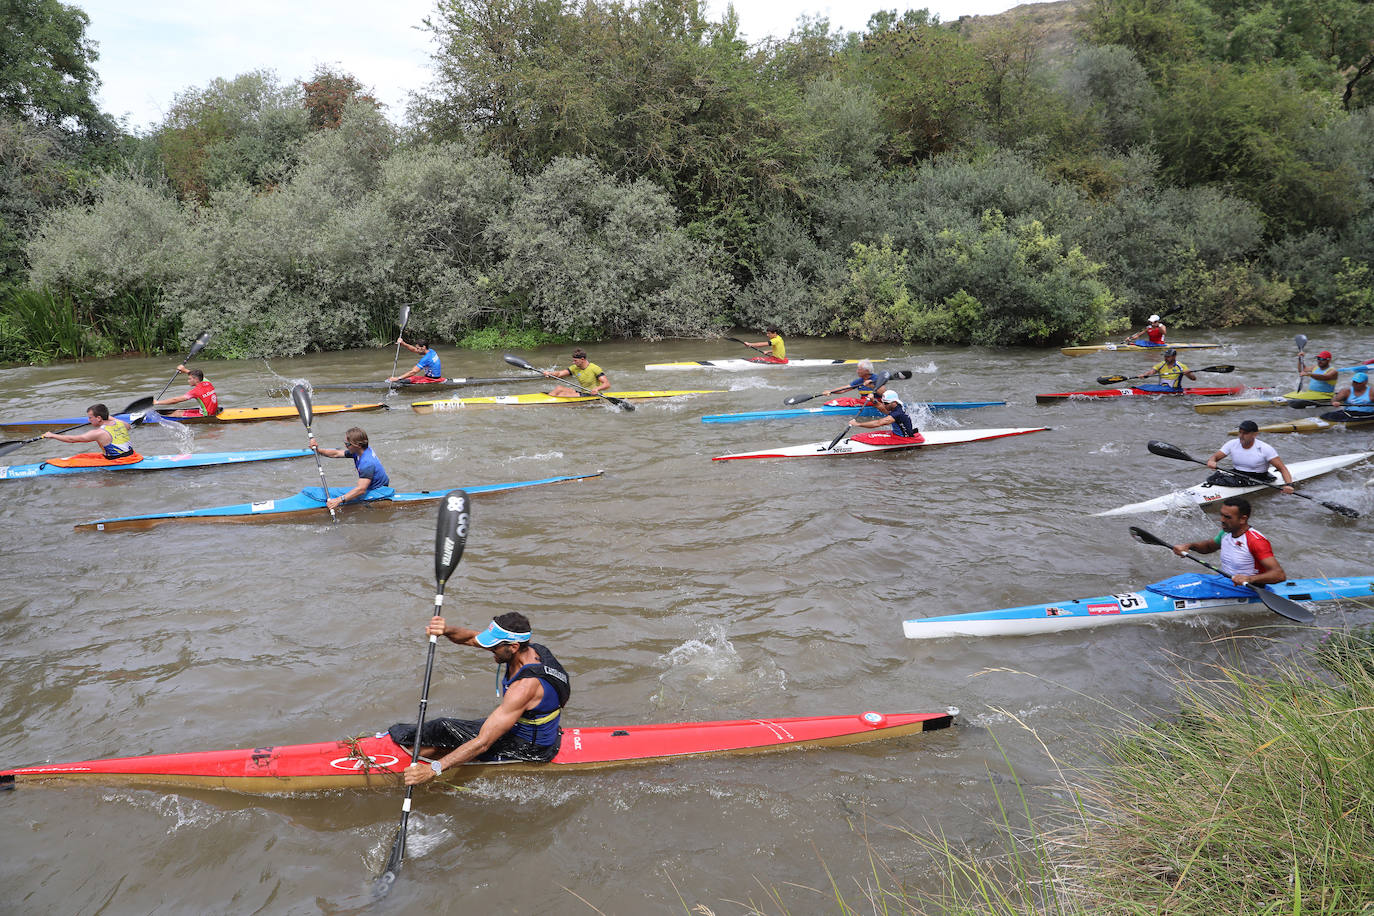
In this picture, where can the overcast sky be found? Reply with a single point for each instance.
(152, 49)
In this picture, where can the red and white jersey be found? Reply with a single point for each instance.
(1241, 556)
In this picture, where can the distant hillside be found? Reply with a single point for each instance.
(1054, 27)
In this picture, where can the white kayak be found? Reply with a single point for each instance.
(1205, 493)
(738, 365)
(884, 442)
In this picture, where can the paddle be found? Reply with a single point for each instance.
(1301, 341)
(1280, 605)
(884, 376)
(196, 347)
(517, 361)
(1165, 450)
(751, 346)
(142, 404)
(1117, 379)
(301, 397)
(450, 537)
(405, 318)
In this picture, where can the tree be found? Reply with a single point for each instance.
(47, 74)
(327, 94)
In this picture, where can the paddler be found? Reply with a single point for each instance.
(1154, 333)
(586, 373)
(533, 688)
(110, 433)
(865, 381)
(371, 474)
(1170, 370)
(1246, 555)
(1323, 376)
(1251, 456)
(778, 351)
(891, 412)
(201, 391)
(1353, 400)
(428, 366)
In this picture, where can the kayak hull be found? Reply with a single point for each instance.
(155, 463)
(375, 761)
(543, 399)
(1090, 349)
(832, 409)
(1083, 613)
(740, 365)
(446, 384)
(1313, 425)
(1205, 494)
(228, 415)
(850, 447)
(1299, 399)
(1133, 393)
(307, 506)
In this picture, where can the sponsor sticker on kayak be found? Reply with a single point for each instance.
(1104, 608)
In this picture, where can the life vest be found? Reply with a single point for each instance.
(540, 724)
(1156, 334)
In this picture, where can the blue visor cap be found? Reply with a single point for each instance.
(494, 635)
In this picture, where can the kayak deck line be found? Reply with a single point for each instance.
(1136, 392)
(1148, 604)
(544, 399)
(831, 409)
(227, 415)
(1205, 494)
(446, 384)
(308, 505)
(375, 761)
(1088, 349)
(154, 463)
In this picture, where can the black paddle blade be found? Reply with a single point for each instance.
(451, 535)
(1145, 537)
(517, 361)
(382, 886)
(1221, 369)
(405, 316)
(301, 397)
(1165, 450)
(902, 374)
(199, 345)
(1301, 341)
(13, 444)
(800, 398)
(1343, 510)
(836, 441)
(140, 405)
(1111, 379)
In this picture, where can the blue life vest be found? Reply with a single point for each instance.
(540, 725)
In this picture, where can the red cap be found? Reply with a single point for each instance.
(1325, 354)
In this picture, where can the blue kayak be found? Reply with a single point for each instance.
(1186, 594)
(831, 410)
(308, 505)
(155, 463)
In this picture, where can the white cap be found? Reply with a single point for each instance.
(1154, 318)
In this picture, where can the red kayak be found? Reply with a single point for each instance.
(376, 760)
(1143, 391)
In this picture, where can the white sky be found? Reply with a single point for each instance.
(152, 49)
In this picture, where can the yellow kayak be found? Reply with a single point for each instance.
(1291, 399)
(539, 398)
(1133, 348)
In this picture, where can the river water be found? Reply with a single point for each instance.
(675, 588)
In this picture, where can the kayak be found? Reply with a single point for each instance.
(838, 408)
(375, 761)
(541, 399)
(1140, 391)
(308, 504)
(1313, 425)
(1179, 596)
(155, 463)
(737, 365)
(228, 415)
(443, 384)
(1205, 493)
(853, 447)
(1291, 399)
(1136, 347)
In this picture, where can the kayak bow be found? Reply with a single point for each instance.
(155, 463)
(307, 505)
(1175, 597)
(375, 761)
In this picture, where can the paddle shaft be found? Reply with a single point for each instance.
(306, 410)
(14, 444)
(405, 317)
(1285, 607)
(1115, 379)
(196, 347)
(1181, 455)
(517, 361)
(751, 346)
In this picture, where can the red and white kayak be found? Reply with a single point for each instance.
(1142, 391)
(866, 443)
(377, 761)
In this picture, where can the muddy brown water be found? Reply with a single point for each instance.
(675, 588)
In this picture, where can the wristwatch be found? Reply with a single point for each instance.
(437, 767)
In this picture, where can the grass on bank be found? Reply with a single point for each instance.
(1256, 798)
